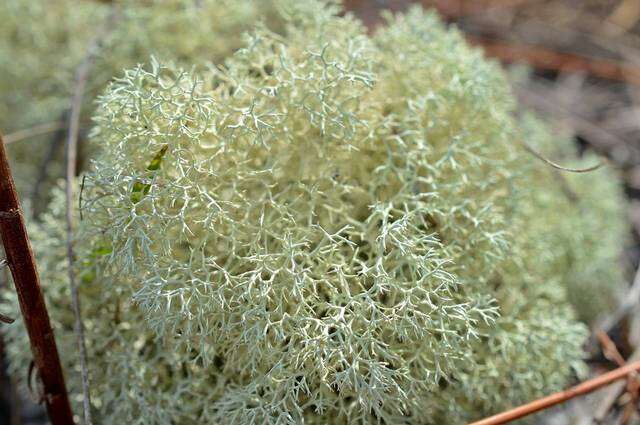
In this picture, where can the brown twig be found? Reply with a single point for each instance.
(562, 396)
(616, 391)
(509, 52)
(542, 58)
(536, 56)
(630, 300)
(27, 283)
(461, 8)
(82, 76)
(609, 348)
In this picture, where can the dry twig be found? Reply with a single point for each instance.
(82, 75)
(461, 8)
(27, 283)
(542, 58)
(541, 157)
(37, 130)
(616, 391)
(562, 396)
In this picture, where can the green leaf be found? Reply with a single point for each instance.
(140, 190)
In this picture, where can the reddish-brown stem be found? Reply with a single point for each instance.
(25, 277)
(562, 396)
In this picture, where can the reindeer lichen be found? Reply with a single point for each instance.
(42, 43)
(331, 228)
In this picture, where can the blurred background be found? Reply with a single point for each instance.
(576, 63)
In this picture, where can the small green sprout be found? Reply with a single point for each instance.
(140, 190)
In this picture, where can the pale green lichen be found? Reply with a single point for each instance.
(42, 44)
(331, 228)
(135, 377)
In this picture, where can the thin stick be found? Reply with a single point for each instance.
(562, 396)
(609, 348)
(27, 283)
(541, 157)
(612, 395)
(34, 131)
(82, 75)
(611, 353)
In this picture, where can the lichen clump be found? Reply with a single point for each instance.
(43, 43)
(331, 228)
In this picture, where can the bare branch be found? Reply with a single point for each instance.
(541, 157)
(34, 131)
(615, 391)
(562, 396)
(82, 75)
(26, 280)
